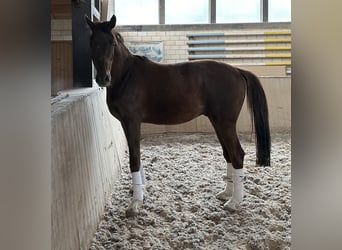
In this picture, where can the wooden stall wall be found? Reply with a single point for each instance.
(61, 9)
(61, 66)
(61, 46)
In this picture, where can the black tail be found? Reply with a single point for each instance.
(257, 104)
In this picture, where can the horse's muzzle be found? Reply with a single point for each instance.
(103, 81)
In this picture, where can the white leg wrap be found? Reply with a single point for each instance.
(142, 175)
(238, 177)
(227, 192)
(230, 171)
(137, 186)
(229, 186)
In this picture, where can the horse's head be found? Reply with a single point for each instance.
(102, 45)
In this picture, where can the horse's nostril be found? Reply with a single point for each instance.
(103, 80)
(107, 79)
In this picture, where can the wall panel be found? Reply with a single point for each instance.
(87, 152)
(61, 66)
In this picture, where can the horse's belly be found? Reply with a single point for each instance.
(172, 116)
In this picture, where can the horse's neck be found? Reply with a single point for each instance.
(123, 60)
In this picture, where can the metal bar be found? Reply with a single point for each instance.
(280, 63)
(278, 32)
(243, 56)
(212, 11)
(161, 11)
(264, 11)
(260, 48)
(206, 42)
(278, 48)
(205, 34)
(278, 55)
(192, 57)
(275, 40)
(278, 40)
(104, 10)
(206, 49)
(243, 33)
(96, 14)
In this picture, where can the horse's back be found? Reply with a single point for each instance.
(223, 85)
(176, 93)
(171, 94)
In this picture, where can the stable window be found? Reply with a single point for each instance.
(137, 12)
(279, 10)
(237, 11)
(145, 12)
(186, 11)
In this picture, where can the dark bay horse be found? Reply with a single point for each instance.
(139, 90)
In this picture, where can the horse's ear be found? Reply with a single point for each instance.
(89, 22)
(112, 22)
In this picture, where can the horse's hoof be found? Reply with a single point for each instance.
(232, 205)
(223, 196)
(133, 208)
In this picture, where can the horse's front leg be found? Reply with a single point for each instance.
(132, 131)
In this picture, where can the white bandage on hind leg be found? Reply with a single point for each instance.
(228, 191)
(137, 186)
(230, 170)
(142, 175)
(238, 178)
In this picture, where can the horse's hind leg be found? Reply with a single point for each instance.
(226, 194)
(226, 131)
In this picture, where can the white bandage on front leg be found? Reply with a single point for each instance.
(237, 196)
(227, 192)
(142, 175)
(137, 186)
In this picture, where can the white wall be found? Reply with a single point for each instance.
(88, 148)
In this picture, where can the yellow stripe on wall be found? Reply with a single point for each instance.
(278, 55)
(279, 40)
(278, 63)
(279, 32)
(278, 48)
